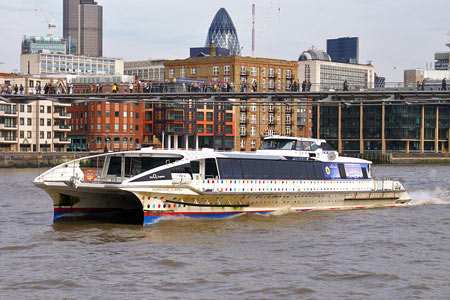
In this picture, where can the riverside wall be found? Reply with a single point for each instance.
(37, 159)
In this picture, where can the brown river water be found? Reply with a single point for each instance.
(392, 253)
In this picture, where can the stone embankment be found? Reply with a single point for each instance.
(37, 159)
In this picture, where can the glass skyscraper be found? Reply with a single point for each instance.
(223, 33)
(345, 50)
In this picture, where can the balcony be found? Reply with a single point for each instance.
(8, 113)
(61, 128)
(8, 140)
(61, 140)
(61, 115)
(8, 127)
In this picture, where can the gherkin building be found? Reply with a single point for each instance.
(223, 33)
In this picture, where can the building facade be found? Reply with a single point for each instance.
(83, 27)
(246, 121)
(344, 50)
(103, 125)
(323, 74)
(383, 127)
(149, 70)
(52, 63)
(36, 126)
(43, 44)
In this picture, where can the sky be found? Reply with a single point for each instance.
(394, 34)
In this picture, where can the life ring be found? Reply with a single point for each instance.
(89, 175)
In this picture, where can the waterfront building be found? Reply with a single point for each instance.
(248, 122)
(148, 70)
(52, 63)
(103, 125)
(383, 127)
(43, 44)
(83, 27)
(223, 33)
(315, 66)
(344, 50)
(36, 126)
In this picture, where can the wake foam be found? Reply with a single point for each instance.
(430, 197)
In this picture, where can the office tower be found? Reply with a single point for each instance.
(345, 50)
(83, 27)
(223, 33)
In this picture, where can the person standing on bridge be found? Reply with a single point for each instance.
(345, 85)
(444, 84)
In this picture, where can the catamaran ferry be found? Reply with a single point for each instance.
(286, 173)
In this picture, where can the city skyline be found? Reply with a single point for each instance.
(394, 36)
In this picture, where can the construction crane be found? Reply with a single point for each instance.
(50, 24)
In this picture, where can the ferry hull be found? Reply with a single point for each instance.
(266, 204)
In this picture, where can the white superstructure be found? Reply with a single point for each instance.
(290, 173)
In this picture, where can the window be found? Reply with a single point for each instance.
(193, 71)
(117, 141)
(41, 134)
(253, 131)
(22, 134)
(263, 72)
(200, 116)
(116, 114)
(99, 114)
(209, 116)
(200, 128)
(288, 74)
(148, 116)
(253, 144)
(125, 127)
(271, 72)
(99, 126)
(125, 141)
(243, 70)
(41, 122)
(116, 127)
(253, 119)
(242, 130)
(148, 128)
(182, 72)
(253, 71)
(107, 126)
(209, 128)
(242, 143)
(92, 126)
(226, 70)
(215, 70)
(49, 109)
(229, 129)
(49, 135)
(29, 109)
(253, 107)
(22, 121)
(171, 73)
(125, 114)
(279, 73)
(29, 134)
(22, 108)
(41, 109)
(229, 117)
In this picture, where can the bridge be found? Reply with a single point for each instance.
(311, 98)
